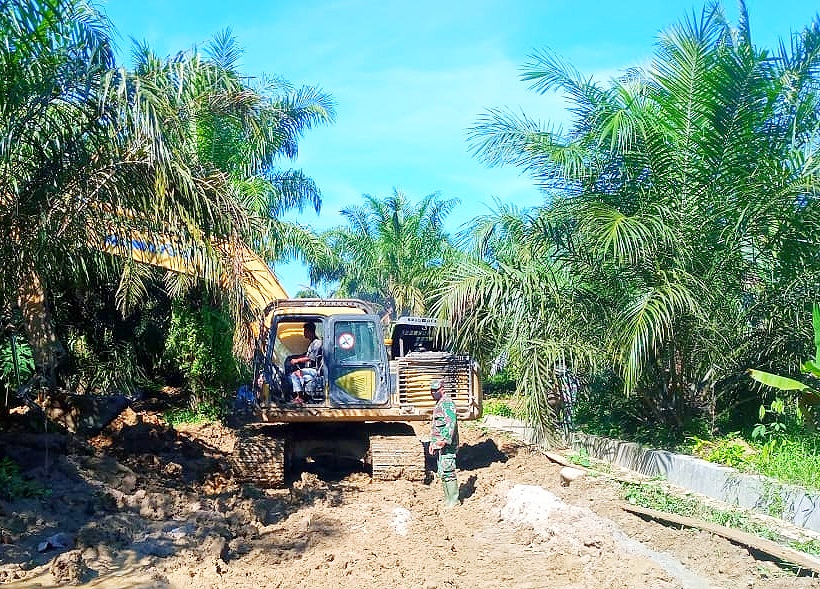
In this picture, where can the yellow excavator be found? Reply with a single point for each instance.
(363, 388)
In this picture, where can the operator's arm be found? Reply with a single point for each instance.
(312, 354)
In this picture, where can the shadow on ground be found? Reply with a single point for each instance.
(481, 455)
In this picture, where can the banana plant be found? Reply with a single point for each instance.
(809, 397)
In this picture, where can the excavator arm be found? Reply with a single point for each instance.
(258, 282)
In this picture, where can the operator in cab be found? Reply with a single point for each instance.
(307, 366)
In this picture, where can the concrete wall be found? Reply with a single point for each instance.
(713, 480)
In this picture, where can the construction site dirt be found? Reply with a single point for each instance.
(142, 504)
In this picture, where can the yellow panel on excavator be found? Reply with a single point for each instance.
(359, 383)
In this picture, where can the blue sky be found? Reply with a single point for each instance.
(410, 77)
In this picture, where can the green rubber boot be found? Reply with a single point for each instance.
(450, 493)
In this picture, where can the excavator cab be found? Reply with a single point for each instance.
(353, 371)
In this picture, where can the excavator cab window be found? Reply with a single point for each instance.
(416, 334)
(288, 341)
(357, 367)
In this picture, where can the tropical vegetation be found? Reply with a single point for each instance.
(181, 149)
(675, 250)
(677, 245)
(392, 251)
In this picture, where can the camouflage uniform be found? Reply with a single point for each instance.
(444, 437)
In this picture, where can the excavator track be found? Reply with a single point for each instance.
(259, 458)
(396, 457)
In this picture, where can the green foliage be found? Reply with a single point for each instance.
(108, 351)
(602, 409)
(200, 413)
(581, 458)
(731, 451)
(497, 407)
(795, 461)
(17, 355)
(791, 458)
(502, 383)
(807, 397)
(776, 427)
(391, 252)
(181, 149)
(112, 368)
(13, 485)
(808, 546)
(655, 257)
(200, 347)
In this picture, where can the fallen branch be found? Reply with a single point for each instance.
(751, 541)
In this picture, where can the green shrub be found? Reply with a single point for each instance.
(581, 458)
(602, 409)
(200, 347)
(201, 413)
(794, 459)
(730, 451)
(16, 352)
(498, 407)
(808, 546)
(105, 366)
(791, 460)
(500, 384)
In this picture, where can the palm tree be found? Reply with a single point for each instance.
(683, 205)
(515, 297)
(56, 110)
(91, 152)
(391, 252)
(239, 130)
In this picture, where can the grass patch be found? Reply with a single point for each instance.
(808, 546)
(498, 407)
(14, 486)
(793, 460)
(654, 496)
(581, 458)
(201, 413)
(505, 406)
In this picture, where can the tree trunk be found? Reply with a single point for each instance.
(46, 347)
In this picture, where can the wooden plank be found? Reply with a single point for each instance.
(762, 545)
(558, 458)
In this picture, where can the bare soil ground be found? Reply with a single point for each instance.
(144, 505)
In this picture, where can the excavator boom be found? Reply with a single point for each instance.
(258, 282)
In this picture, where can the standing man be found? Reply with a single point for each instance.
(444, 440)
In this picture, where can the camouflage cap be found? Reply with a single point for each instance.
(436, 384)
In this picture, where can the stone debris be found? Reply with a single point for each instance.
(401, 520)
(58, 541)
(569, 474)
